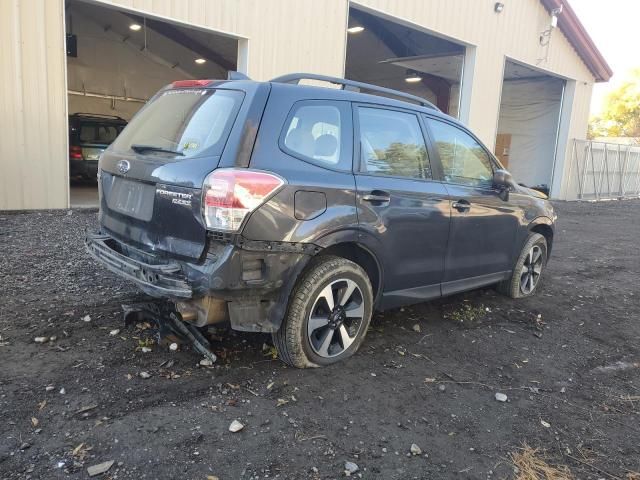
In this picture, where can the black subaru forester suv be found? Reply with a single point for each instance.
(298, 210)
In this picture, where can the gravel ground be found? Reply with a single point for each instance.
(567, 360)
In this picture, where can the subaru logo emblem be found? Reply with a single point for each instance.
(123, 166)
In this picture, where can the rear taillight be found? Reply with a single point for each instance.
(75, 152)
(229, 195)
(190, 83)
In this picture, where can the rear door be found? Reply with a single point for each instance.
(483, 225)
(399, 203)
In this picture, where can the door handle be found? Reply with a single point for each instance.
(461, 205)
(377, 196)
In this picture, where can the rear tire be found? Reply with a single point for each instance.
(528, 270)
(328, 315)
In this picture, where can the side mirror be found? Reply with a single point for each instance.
(503, 181)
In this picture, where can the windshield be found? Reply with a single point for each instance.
(188, 121)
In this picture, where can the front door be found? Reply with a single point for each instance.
(400, 207)
(483, 225)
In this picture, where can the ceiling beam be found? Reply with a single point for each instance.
(178, 36)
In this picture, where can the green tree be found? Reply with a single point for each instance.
(621, 115)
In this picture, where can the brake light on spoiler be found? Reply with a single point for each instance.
(229, 195)
(191, 83)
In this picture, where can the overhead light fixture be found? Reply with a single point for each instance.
(412, 77)
(135, 27)
(498, 7)
(355, 29)
(200, 61)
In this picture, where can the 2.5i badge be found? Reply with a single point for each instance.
(177, 198)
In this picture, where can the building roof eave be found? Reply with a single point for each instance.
(570, 25)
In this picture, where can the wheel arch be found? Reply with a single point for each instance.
(544, 226)
(360, 248)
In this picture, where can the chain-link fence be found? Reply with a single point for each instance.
(603, 171)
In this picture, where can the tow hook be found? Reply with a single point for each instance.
(170, 326)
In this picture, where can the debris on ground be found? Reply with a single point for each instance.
(617, 367)
(528, 465)
(145, 375)
(350, 468)
(41, 339)
(100, 468)
(501, 397)
(235, 426)
(206, 362)
(415, 449)
(416, 328)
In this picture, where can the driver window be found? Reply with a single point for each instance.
(463, 159)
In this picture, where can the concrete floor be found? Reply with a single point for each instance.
(84, 196)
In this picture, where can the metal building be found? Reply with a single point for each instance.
(518, 72)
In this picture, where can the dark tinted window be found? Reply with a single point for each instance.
(391, 143)
(100, 133)
(314, 131)
(186, 120)
(463, 159)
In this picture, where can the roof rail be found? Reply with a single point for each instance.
(96, 115)
(296, 77)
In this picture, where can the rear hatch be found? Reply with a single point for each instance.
(151, 176)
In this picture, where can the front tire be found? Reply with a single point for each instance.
(527, 272)
(328, 316)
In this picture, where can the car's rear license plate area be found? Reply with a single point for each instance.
(129, 197)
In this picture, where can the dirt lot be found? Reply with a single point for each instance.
(568, 361)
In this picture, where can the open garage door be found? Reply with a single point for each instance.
(116, 60)
(390, 54)
(528, 124)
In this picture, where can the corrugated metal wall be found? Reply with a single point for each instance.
(283, 36)
(33, 105)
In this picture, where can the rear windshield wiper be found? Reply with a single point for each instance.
(150, 148)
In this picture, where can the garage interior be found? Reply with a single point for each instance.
(116, 60)
(527, 135)
(393, 55)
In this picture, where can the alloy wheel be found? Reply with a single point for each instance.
(531, 270)
(336, 318)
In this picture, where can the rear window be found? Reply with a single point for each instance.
(188, 121)
(101, 133)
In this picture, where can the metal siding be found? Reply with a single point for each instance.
(33, 132)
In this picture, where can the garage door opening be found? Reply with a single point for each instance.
(116, 60)
(527, 136)
(390, 54)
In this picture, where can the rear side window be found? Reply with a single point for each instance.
(315, 131)
(98, 133)
(391, 143)
(463, 159)
(188, 121)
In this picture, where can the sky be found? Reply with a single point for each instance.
(613, 25)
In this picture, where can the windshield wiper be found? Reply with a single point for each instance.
(150, 148)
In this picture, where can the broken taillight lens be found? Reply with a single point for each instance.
(75, 152)
(229, 195)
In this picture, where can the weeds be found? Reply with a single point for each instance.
(467, 314)
(530, 466)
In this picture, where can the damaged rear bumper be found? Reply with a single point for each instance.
(243, 281)
(157, 279)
